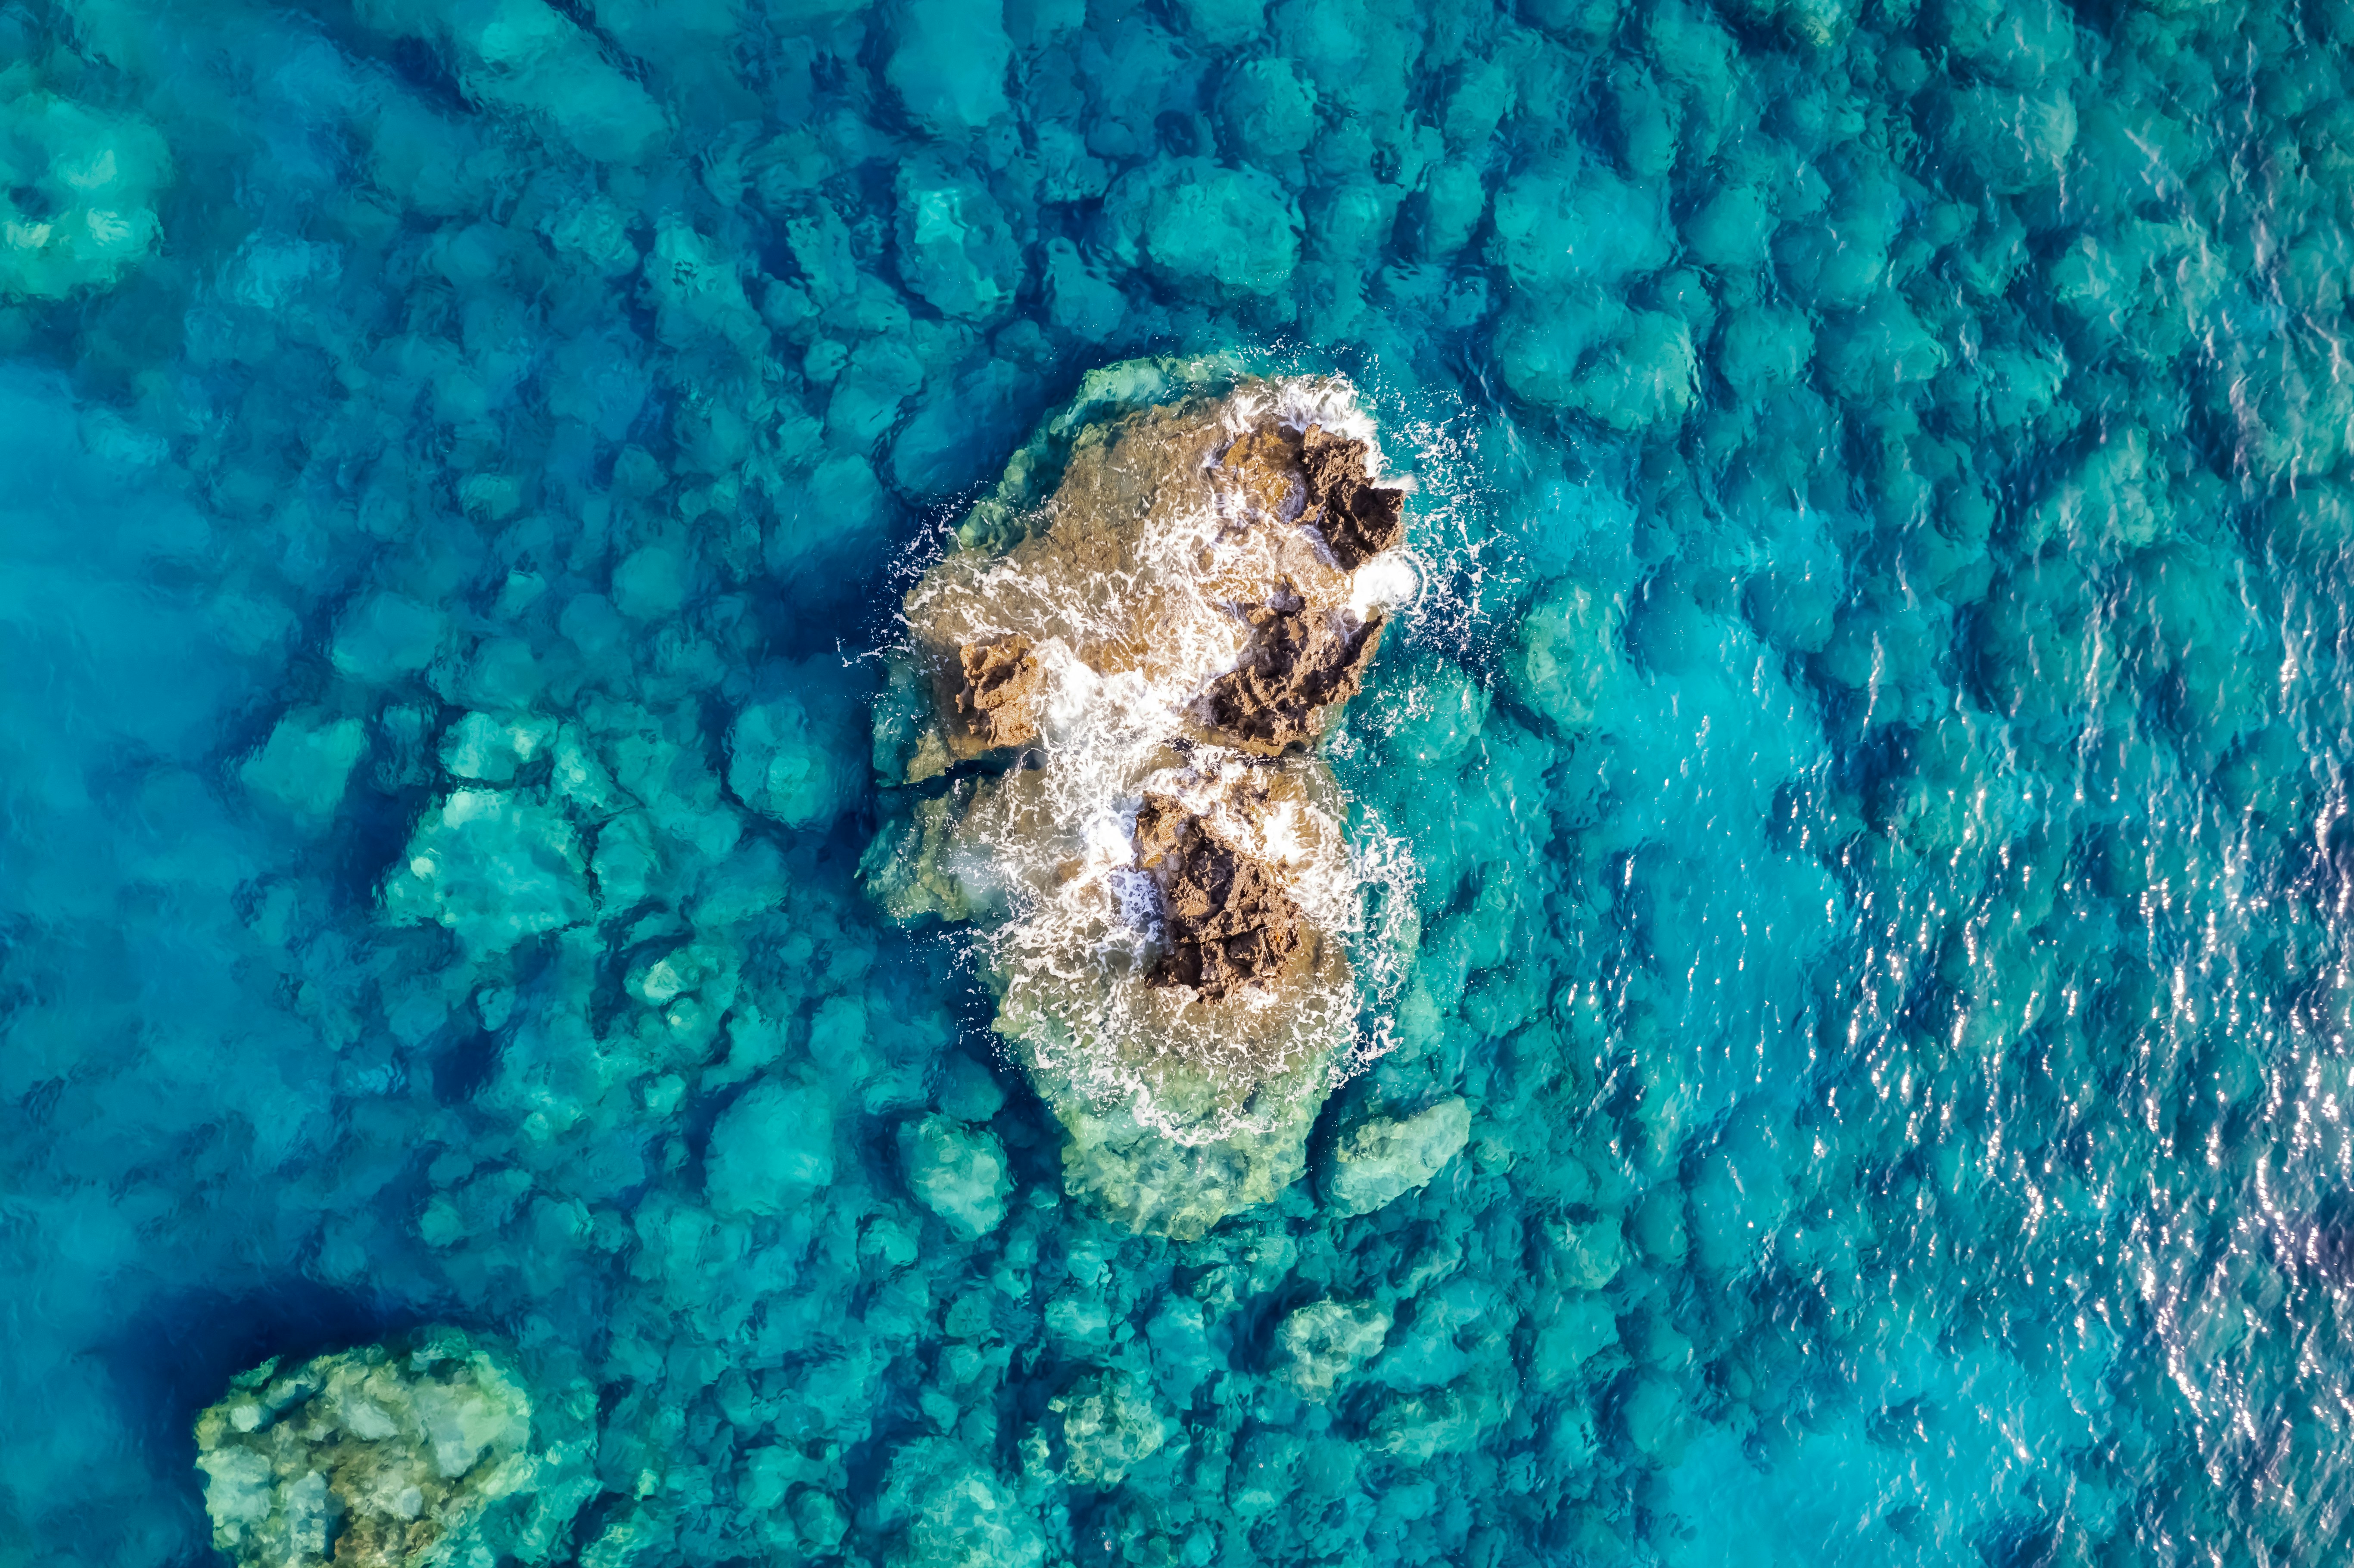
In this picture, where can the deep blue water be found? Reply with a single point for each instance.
(1873, 740)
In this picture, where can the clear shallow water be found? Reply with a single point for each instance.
(1872, 743)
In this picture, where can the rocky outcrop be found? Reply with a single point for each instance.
(1175, 549)
(1126, 667)
(1358, 518)
(1301, 663)
(1262, 468)
(1227, 922)
(1002, 688)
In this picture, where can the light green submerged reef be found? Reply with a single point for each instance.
(1176, 782)
(424, 1453)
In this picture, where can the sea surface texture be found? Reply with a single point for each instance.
(1859, 1070)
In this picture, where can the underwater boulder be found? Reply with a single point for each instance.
(768, 1150)
(304, 766)
(958, 1172)
(494, 866)
(1646, 376)
(1552, 232)
(1267, 111)
(386, 637)
(1382, 1160)
(947, 1510)
(77, 194)
(788, 763)
(948, 63)
(1762, 347)
(1205, 227)
(955, 251)
(429, 1450)
(1325, 1342)
(1569, 654)
(1107, 1424)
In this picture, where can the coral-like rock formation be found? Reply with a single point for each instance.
(423, 1451)
(1160, 614)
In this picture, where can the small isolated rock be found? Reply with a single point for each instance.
(1325, 1341)
(1158, 593)
(958, 1172)
(1383, 1160)
(420, 1451)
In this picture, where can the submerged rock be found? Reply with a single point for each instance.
(425, 1450)
(1123, 668)
(1382, 1160)
(494, 866)
(1109, 1425)
(946, 1509)
(958, 1172)
(1326, 1341)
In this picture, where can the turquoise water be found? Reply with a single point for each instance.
(1872, 739)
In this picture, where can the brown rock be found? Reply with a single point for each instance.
(1087, 570)
(1095, 569)
(1227, 919)
(1358, 518)
(1263, 467)
(1301, 659)
(1003, 685)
